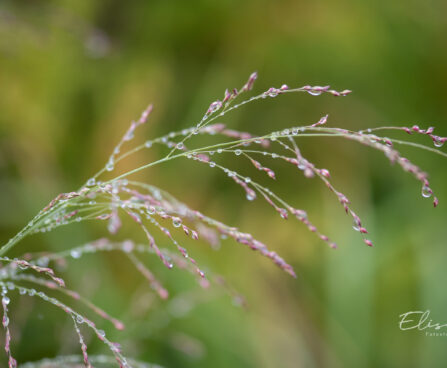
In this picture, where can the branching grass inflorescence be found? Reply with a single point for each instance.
(159, 215)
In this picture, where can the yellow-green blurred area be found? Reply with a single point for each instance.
(73, 74)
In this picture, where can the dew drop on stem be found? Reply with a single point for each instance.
(251, 196)
(91, 182)
(110, 165)
(426, 191)
(314, 92)
(75, 253)
(438, 142)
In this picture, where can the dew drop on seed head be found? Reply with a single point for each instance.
(247, 180)
(438, 142)
(79, 319)
(251, 196)
(238, 152)
(426, 191)
(176, 222)
(6, 300)
(314, 92)
(151, 210)
(219, 150)
(180, 146)
(91, 182)
(212, 164)
(148, 144)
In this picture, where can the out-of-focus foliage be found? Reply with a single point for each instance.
(74, 73)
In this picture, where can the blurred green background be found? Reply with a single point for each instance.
(73, 74)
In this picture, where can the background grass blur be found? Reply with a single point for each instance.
(74, 73)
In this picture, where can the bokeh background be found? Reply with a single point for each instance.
(73, 74)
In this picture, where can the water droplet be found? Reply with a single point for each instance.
(426, 191)
(176, 222)
(212, 164)
(129, 135)
(438, 142)
(274, 155)
(219, 150)
(79, 319)
(91, 203)
(216, 105)
(180, 146)
(314, 92)
(91, 182)
(110, 166)
(251, 196)
(356, 224)
(151, 210)
(6, 300)
(101, 333)
(148, 144)
(75, 253)
(238, 152)
(247, 180)
(231, 174)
